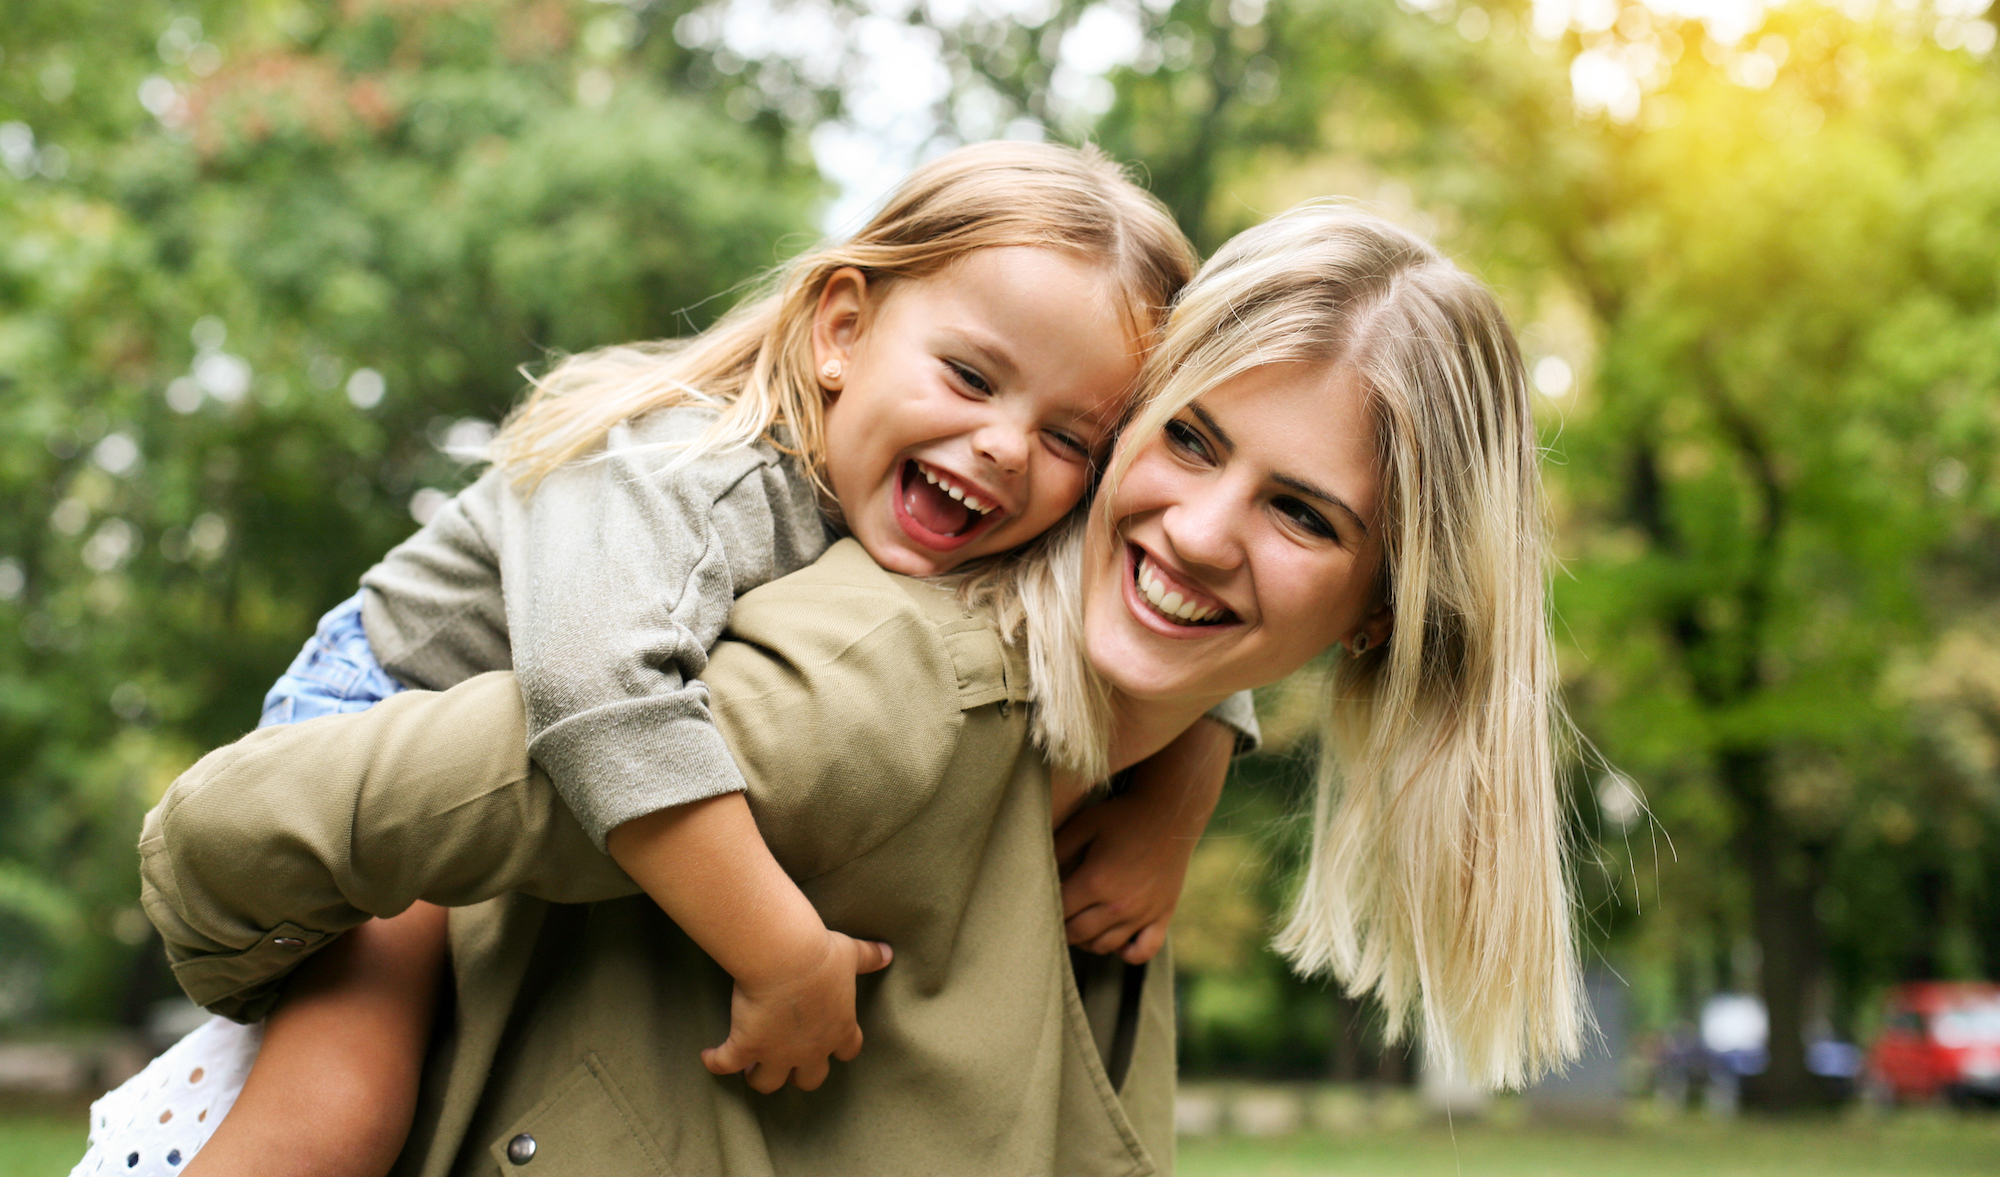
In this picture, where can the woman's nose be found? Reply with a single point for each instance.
(1205, 527)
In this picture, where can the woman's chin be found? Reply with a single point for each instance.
(1145, 667)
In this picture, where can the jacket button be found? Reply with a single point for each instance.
(521, 1149)
(289, 942)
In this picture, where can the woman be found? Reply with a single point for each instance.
(1337, 451)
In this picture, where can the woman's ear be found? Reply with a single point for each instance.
(1374, 630)
(838, 322)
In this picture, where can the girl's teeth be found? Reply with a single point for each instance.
(973, 501)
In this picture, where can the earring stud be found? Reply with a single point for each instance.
(1358, 644)
(830, 370)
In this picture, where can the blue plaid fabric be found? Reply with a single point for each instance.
(335, 673)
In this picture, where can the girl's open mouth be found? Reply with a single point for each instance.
(938, 513)
(1166, 601)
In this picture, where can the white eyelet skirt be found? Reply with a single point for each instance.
(154, 1123)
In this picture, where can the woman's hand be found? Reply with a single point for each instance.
(786, 1027)
(1125, 858)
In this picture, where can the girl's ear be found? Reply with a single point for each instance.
(838, 322)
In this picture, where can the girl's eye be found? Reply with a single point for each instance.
(1070, 445)
(1186, 438)
(1304, 517)
(971, 377)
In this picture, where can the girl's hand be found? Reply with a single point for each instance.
(1121, 896)
(784, 1029)
(1124, 859)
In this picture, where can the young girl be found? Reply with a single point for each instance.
(938, 387)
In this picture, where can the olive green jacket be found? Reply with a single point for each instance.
(883, 735)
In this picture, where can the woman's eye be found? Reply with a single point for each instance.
(1305, 517)
(1186, 438)
(971, 377)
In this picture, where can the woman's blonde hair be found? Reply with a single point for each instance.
(1436, 878)
(755, 365)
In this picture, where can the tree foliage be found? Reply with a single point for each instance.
(257, 264)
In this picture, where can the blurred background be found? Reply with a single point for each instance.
(267, 266)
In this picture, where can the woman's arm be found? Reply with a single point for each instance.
(841, 697)
(266, 848)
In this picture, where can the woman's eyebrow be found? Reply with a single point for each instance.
(1325, 496)
(1222, 437)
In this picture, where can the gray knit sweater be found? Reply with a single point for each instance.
(604, 591)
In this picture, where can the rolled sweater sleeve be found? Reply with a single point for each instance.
(619, 579)
(604, 590)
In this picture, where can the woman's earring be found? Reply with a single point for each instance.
(1358, 644)
(830, 370)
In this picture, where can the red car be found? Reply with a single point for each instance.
(1941, 1038)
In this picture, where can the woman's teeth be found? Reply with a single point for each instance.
(971, 500)
(1171, 603)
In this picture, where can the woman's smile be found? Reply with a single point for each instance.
(1165, 599)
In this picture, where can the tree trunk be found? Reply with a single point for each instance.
(1345, 1058)
(1786, 928)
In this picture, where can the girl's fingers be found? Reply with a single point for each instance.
(872, 956)
(1112, 940)
(808, 1078)
(1078, 893)
(1088, 924)
(765, 1080)
(1147, 944)
(725, 1059)
(850, 1048)
(1073, 839)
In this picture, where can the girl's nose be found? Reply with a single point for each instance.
(1005, 445)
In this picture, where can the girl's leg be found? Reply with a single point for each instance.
(335, 1086)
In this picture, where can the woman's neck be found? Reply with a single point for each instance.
(1141, 727)
(1138, 729)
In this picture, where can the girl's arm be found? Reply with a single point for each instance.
(1134, 848)
(335, 1085)
(708, 868)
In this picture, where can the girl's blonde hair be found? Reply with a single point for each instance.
(1436, 878)
(755, 365)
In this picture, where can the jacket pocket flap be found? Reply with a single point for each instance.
(585, 1127)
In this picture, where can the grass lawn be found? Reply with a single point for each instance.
(1913, 1145)
(43, 1144)
(40, 1144)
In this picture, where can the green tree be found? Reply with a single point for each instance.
(259, 264)
(1767, 254)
